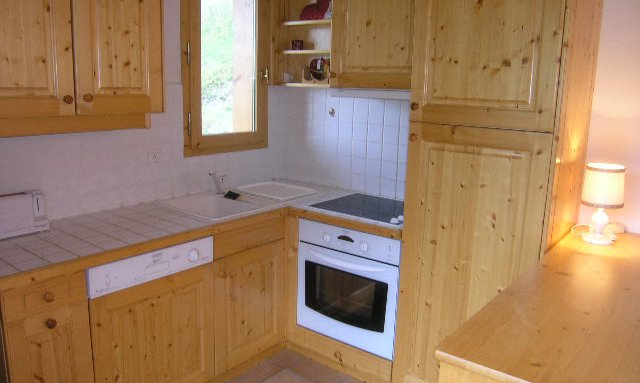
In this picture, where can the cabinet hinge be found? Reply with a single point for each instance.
(189, 123)
(188, 52)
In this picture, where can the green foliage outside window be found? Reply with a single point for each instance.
(217, 66)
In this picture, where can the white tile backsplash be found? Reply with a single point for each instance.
(370, 153)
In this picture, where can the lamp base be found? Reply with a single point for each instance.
(607, 238)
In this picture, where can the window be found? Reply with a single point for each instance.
(225, 55)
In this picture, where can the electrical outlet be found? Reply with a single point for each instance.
(153, 158)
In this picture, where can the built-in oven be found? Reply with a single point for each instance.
(348, 286)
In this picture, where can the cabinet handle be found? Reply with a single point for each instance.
(68, 99)
(51, 323)
(415, 106)
(222, 274)
(48, 297)
(413, 137)
(88, 97)
(332, 74)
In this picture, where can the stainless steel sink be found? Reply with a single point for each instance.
(208, 205)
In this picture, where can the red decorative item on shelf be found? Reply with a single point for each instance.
(316, 11)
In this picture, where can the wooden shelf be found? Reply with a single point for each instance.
(304, 85)
(307, 52)
(302, 23)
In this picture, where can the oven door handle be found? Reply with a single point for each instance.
(345, 265)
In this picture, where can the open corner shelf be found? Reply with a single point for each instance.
(302, 23)
(307, 52)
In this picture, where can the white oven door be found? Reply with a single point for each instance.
(348, 298)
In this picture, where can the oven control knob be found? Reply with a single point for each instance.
(326, 238)
(364, 247)
(193, 255)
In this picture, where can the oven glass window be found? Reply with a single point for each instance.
(346, 297)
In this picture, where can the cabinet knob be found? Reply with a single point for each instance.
(413, 137)
(332, 74)
(88, 97)
(48, 297)
(222, 274)
(68, 99)
(415, 106)
(51, 323)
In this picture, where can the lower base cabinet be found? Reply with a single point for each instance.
(160, 331)
(46, 330)
(53, 346)
(249, 304)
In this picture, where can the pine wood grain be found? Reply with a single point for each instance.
(575, 318)
(36, 58)
(161, 331)
(371, 44)
(474, 223)
(487, 63)
(249, 304)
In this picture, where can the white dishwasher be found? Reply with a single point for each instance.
(149, 319)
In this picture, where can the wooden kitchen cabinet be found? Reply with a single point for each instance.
(487, 63)
(368, 41)
(249, 304)
(118, 50)
(371, 44)
(46, 330)
(479, 200)
(36, 56)
(160, 331)
(75, 65)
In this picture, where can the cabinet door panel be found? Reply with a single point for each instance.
(249, 292)
(36, 58)
(37, 353)
(118, 57)
(371, 43)
(477, 208)
(487, 63)
(160, 331)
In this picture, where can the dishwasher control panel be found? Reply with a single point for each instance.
(119, 275)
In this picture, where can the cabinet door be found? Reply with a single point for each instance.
(487, 63)
(160, 331)
(54, 346)
(249, 304)
(36, 58)
(118, 56)
(473, 223)
(371, 44)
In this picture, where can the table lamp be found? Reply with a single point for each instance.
(603, 188)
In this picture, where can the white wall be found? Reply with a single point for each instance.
(615, 120)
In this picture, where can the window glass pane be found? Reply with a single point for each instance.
(228, 66)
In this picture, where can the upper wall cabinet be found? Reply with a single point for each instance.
(487, 63)
(118, 51)
(36, 59)
(368, 43)
(371, 44)
(78, 65)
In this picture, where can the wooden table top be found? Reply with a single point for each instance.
(574, 318)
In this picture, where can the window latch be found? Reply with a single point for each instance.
(265, 74)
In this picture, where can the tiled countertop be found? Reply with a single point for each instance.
(90, 234)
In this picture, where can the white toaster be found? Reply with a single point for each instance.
(22, 213)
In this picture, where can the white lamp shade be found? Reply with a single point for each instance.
(603, 186)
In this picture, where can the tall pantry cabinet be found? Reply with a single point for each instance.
(501, 99)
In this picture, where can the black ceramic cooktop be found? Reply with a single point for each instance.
(365, 206)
